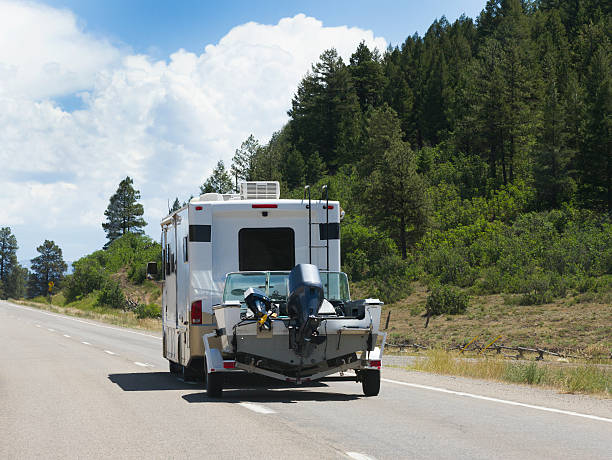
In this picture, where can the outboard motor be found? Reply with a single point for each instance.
(305, 298)
(260, 305)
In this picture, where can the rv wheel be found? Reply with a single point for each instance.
(370, 382)
(213, 382)
(174, 368)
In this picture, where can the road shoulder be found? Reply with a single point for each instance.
(524, 394)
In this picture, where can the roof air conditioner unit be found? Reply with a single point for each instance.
(260, 190)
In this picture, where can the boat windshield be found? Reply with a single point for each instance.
(276, 285)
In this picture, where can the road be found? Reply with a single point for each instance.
(76, 388)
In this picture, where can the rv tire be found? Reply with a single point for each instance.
(370, 382)
(174, 368)
(213, 381)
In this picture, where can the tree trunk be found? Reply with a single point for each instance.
(403, 236)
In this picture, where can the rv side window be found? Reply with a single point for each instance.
(185, 253)
(266, 249)
(199, 233)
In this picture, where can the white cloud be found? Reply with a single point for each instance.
(163, 123)
(44, 52)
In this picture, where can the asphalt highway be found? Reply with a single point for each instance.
(72, 388)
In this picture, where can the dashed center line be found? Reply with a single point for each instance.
(257, 408)
(86, 343)
(66, 335)
(359, 456)
(50, 330)
(109, 352)
(38, 325)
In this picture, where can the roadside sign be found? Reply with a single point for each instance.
(51, 284)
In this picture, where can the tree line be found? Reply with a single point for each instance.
(123, 216)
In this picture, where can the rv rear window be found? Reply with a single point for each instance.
(266, 249)
(199, 233)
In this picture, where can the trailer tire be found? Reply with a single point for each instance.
(213, 381)
(370, 382)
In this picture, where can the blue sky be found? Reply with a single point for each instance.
(162, 27)
(93, 91)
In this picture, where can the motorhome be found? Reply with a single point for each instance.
(253, 283)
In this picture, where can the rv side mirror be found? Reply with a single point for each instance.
(151, 269)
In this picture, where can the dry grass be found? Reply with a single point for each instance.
(105, 315)
(570, 324)
(588, 379)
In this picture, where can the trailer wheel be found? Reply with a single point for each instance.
(213, 382)
(370, 382)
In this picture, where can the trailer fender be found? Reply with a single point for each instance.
(377, 353)
(214, 359)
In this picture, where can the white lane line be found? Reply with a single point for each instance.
(109, 352)
(67, 336)
(38, 325)
(501, 401)
(86, 343)
(50, 330)
(257, 408)
(358, 456)
(82, 321)
(143, 364)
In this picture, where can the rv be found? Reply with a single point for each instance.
(253, 283)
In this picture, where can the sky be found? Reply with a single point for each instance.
(91, 92)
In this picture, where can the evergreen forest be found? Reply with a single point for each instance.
(476, 158)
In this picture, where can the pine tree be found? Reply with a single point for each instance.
(325, 113)
(48, 266)
(396, 199)
(552, 154)
(595, 159)
(294, 169)
(367, 76)
(176, 205)
(219, 181)
(123, 213)
(8, 251)
(383, 130)
(16, 284)
(267, 162)
(242, 162)
(315, 169)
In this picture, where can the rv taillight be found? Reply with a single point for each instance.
(229, 364)
(264, 206)
(196, 312)
(199, 208)
(331, 206)
(375, 363)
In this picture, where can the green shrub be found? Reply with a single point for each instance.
(363, 248)
(446, 299)
(87, 277)
(111, 295)
(450, 265)
(147, 311)
(531, 373)
(391, 280)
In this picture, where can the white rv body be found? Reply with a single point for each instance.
(201, 244)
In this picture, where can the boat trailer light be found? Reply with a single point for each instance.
(264, 206)
(374, 363)
(229, 364)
